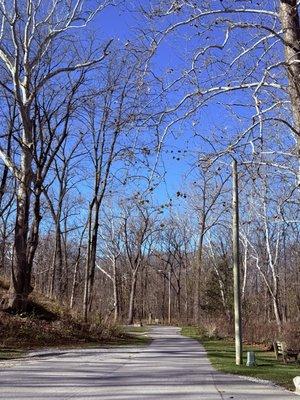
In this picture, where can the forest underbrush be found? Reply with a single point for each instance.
(256, 331)
(48, 324)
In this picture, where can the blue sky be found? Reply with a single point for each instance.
(121, 25)
(213, 118)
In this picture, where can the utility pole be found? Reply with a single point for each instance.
(169, 305)
(236, 266)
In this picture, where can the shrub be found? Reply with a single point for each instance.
(20, 332)
(291, 335)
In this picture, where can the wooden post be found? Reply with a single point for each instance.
(236, 267)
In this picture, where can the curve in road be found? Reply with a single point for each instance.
(172, 367)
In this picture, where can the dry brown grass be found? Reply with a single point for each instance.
(47, 323)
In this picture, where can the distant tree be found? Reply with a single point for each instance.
(65, 165)
(208, 200)
(138, 228)
(113, 112)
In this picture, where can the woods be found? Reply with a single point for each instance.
(115, 175)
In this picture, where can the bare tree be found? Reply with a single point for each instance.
(290, 22)
(208, 201)
(227, 71)
(31, 62)
(64, 169)
(138, 229)
(176, 255)
(111, 243)
(113, 113)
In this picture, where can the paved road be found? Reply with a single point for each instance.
(171, 368)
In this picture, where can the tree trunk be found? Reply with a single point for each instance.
(132, 298)
(20, 283)
(115, 289)
(55, 283)
(186, 302)
(59, 263)
(277, 312)
(86, 289)
(291, 30)
(65, 263)
(33, 239)
(178, 295)
(169, 299)
(198, 275)
(163, 304)
(236, 267)
(74, 284)
(5, 171)
(91, 257)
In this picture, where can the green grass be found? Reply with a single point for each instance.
(8, 354)
(137, 335)
(221, 354)
(136, 329)
(131, 339)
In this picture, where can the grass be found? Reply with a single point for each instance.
(221, 354)
(137, 335)
(136, 329)
(132, 338)
(8, 354)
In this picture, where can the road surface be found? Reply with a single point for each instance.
(171, 368)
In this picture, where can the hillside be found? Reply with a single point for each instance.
(48, 324)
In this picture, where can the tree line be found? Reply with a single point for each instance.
(86, 122)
